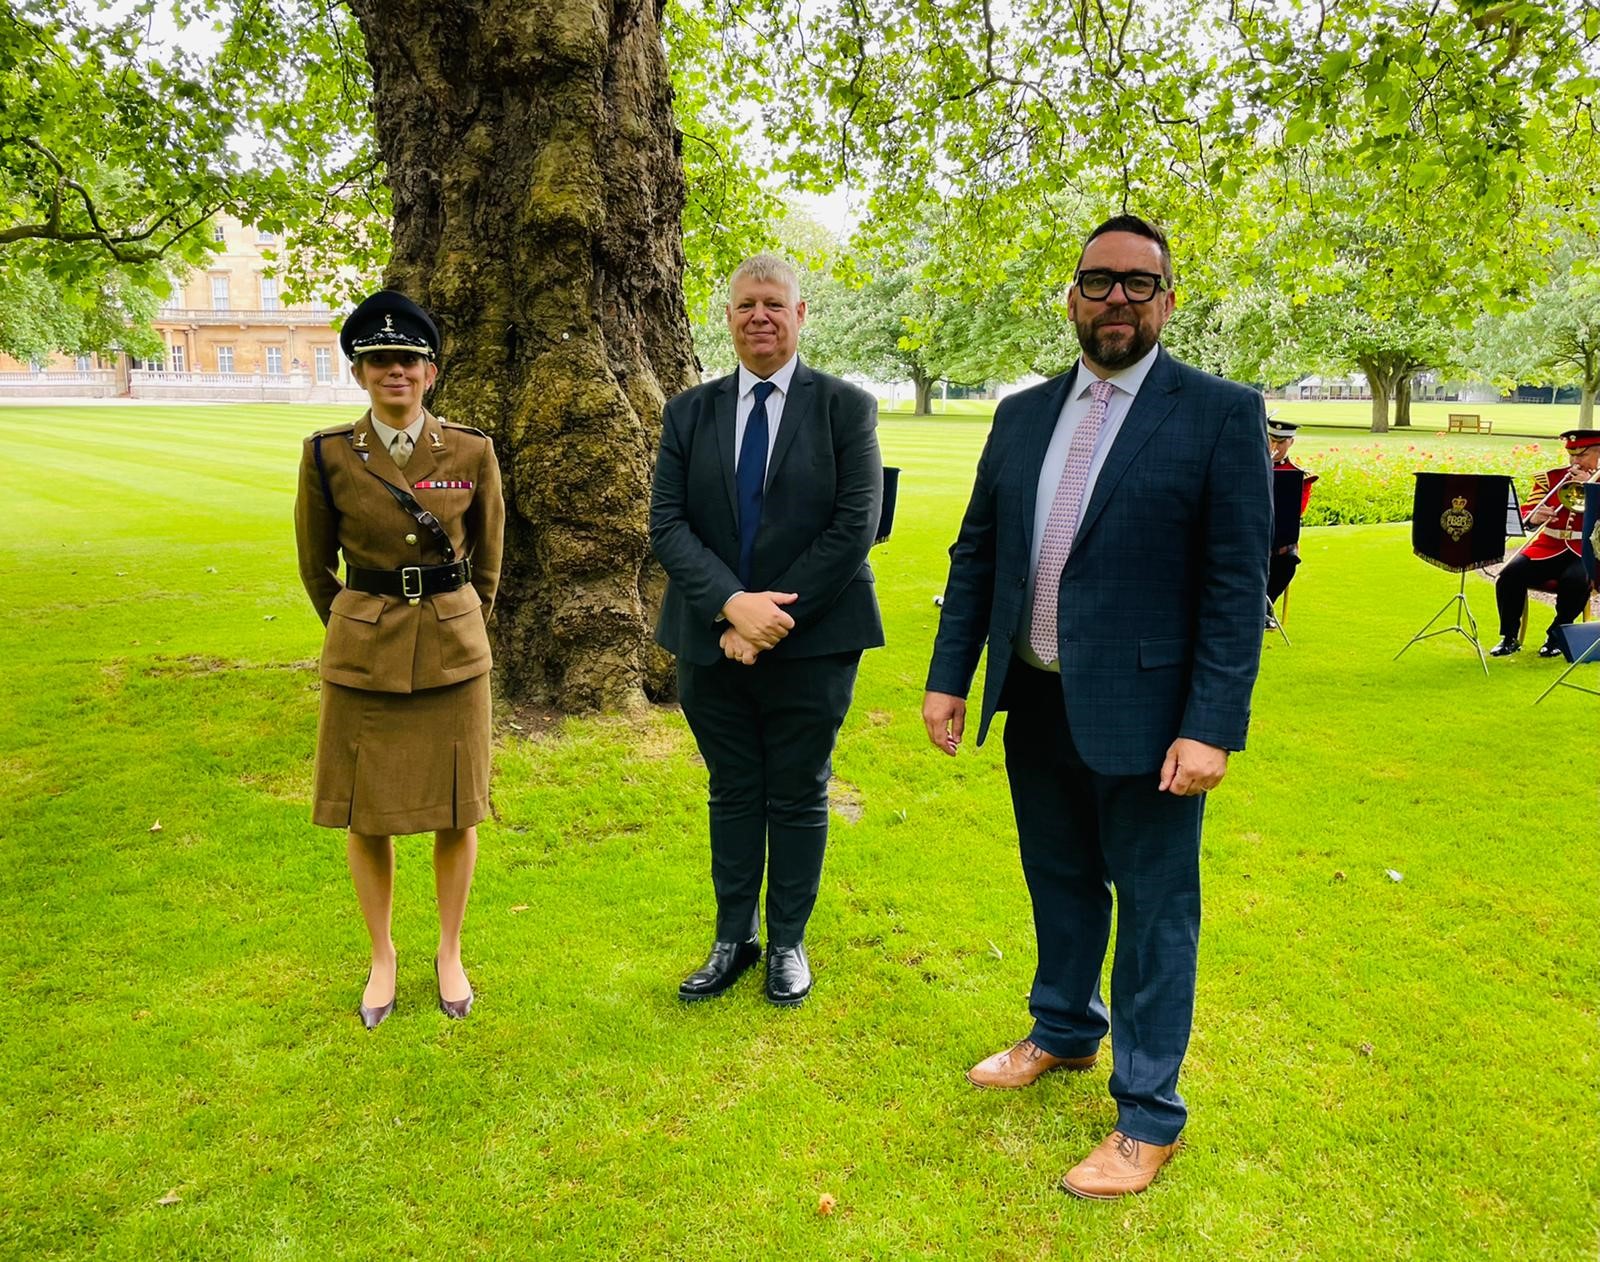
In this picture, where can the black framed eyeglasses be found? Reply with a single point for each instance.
(1098, 283)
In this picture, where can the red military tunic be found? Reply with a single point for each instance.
(1562, 533)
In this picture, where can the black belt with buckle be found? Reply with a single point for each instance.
(413, 582)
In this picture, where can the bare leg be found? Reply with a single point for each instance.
(455, 853)
(372, 870)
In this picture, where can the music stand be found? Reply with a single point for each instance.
(1459, 522)
(1286, 501)
(1581, 643)
(891, 491)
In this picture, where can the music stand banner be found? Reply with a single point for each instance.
(891, 492)
(1459, 521)
(1591, 529)
(1286, 497)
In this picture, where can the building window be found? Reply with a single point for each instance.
(219, 234)
(177, 359)
(322, 356)
(85, 363)
(219, 293)
(224, 359)
(263, 237)
(269, 293)
(274, 361)
(319, 304)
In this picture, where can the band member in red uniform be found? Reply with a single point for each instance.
(1555, 553)
(1285, 560)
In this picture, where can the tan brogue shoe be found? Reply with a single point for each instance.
(1023, 1065)
(1120, 1166)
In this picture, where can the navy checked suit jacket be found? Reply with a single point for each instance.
(823, 494)
(1162, 598)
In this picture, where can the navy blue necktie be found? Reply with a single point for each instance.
(751, 477)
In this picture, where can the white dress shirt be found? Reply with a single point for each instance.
(747, 401)
(746, 404)
(1073, 412)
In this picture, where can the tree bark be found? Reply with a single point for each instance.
(1378, 382)
(533, 159)
(924, 389)
(1402, 402)
(1589, 385)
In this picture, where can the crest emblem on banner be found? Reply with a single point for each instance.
(1455, 520)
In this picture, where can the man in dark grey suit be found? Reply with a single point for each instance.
(1113, 558)
(768, 487)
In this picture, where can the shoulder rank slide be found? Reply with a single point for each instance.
(436, 485)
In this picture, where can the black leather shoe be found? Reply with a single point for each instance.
(1549, 650)
(1507, 646)
(727, 963)
(372, 1018)
(788, 974)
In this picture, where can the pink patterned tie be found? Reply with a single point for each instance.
(1062, 525)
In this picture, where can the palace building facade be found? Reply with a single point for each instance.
(228, 336)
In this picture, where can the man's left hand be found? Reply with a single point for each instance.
(1192, 767)
(738, 649)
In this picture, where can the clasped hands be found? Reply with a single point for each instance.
(756, 622)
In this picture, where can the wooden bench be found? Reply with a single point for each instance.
(1468, 423)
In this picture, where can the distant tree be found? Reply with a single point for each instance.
(1555, 339)
(905, 324)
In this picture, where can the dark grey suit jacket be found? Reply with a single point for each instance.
(1162, 597)
(819, 515)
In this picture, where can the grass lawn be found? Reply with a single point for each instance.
(1380, 1069)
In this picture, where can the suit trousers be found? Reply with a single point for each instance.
(766, 733)
(1565, 570)
(1083, 834)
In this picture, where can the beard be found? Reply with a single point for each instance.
(1114, 351)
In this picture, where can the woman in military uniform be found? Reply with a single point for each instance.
(403, 736)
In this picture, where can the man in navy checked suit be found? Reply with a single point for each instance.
(1124, 702)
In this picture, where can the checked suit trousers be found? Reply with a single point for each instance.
(1083, 835)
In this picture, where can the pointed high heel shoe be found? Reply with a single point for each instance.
(372, 1018)
(456, 1009)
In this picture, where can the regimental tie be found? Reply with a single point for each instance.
(400, 448)
(1062, 525)
(750, 478)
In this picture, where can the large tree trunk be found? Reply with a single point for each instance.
(1402, 402)
(1586, 406)
(533, 159)
(924, 389)
(1378, 382)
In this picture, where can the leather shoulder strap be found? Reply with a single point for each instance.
(422, 516)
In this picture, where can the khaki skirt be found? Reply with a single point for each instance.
(402, 762)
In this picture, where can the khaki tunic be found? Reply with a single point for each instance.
(385, 659)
